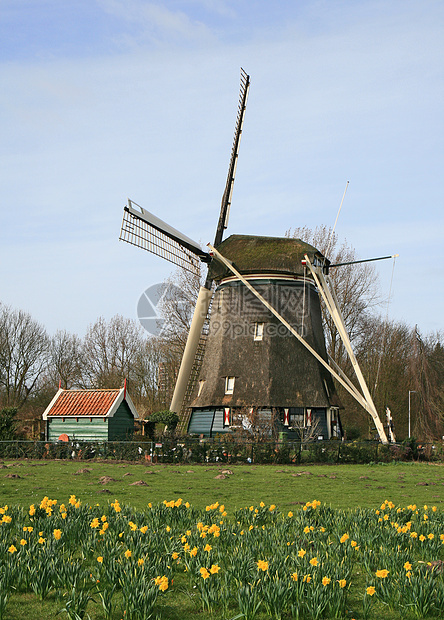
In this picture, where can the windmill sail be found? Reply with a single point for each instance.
(195, 347)
(144, 230)
(226, 198)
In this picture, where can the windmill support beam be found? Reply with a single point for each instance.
(342, 373)
(200, 313)
(331, 302)
(356, 395)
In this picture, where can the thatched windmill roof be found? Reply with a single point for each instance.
(253, 254)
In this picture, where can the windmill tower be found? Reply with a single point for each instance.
(265, 353)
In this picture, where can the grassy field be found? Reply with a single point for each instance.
(338, 486)
(348, 532)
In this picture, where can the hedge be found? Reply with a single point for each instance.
(223, 450)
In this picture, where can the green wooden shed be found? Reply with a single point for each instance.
(90, 415)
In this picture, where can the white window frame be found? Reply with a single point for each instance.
(293, 421)
(229, 385)
(259, 331)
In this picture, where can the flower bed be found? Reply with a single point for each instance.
(313, 562)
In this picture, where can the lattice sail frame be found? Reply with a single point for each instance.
(148, 232)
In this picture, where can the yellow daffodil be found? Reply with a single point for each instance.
(382, 573)
(326, 581)
(262, 565)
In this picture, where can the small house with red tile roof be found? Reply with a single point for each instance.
(90, 415)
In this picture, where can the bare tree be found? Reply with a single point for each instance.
(435, 344)
(153, 375)
(109, 351)
(356, 287)
(307, 434)
(384, 351)
(427, 375)
(24, 347)
(177, 307)
(65, 360)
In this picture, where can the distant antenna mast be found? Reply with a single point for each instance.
(336, 220)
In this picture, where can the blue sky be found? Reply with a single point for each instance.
(106, 99)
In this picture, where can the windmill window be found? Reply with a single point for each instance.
(229, 385)
(297, 417)
(201, 384)
(258, 331)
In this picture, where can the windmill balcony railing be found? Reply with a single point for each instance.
(220, 450)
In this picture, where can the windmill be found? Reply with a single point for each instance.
(265, 350)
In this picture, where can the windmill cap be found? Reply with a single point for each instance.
(254, 254)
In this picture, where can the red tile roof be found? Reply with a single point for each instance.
(83, 403)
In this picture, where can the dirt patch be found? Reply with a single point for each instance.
(12, 476)
(437, 566)
(138, 483)
(220, 477)
(85, 470)
(106, 479)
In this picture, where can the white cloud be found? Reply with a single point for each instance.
(156, 23)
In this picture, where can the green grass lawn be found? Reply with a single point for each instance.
(339, 486)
